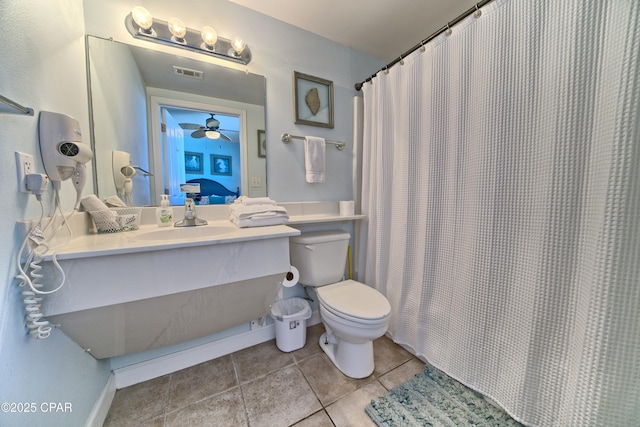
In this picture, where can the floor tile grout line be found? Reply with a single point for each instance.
(310, 386)
(211, 396)
(166, 400)
(265, 375)
(244, 402)
(324, 408)
(311, 415)
(167, 411)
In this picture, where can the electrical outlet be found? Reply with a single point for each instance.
(25, 165)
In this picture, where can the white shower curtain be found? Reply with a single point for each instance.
(501, 171)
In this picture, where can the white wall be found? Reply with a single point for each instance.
(43, 67)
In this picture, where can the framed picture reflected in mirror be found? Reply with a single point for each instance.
(193, 163)
(221, 165)
(262, 144)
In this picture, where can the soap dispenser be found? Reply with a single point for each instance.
(164, 212)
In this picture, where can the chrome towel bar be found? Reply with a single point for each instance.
(287, 137)
(16, 106)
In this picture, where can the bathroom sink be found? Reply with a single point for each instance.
(183, 233)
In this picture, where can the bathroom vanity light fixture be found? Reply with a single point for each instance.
(142, 25)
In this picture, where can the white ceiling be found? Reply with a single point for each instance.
(382, 28)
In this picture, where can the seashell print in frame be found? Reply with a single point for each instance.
(313, 100)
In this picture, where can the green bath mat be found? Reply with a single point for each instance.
(431, 398)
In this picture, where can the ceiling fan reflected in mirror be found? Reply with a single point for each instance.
(211, 129)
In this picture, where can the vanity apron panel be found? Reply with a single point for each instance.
(120, 278)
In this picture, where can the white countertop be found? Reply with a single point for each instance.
(89, 244)
(319, 218)
(92, 245)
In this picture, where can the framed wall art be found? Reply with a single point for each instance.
(262, 144)
(193, 163)
(312, 100)
(220, 165)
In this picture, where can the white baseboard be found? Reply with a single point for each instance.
(315, 318)
(101, 407)
(147, 370)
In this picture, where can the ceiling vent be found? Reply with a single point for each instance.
(195, 74)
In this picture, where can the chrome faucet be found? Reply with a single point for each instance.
(190, 217)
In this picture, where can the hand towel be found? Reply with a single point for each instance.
(314, 149)
(92, 203)
(115, 202)
(100, 212)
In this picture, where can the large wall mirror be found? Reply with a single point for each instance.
(161, 120)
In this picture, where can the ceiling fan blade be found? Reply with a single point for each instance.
(189, 126)
(225, 137)
(198, 134)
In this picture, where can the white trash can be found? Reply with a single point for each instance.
(290, 318)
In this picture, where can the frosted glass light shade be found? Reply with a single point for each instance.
(238, 44)
(142, 17)
(209, 36)
(177, 28)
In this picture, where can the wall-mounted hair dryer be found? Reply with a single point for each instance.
(63, 153)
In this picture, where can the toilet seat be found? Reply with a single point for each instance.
(354, 301)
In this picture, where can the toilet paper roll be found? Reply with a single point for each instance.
(291, 278)
(277, 294)
(347, 207)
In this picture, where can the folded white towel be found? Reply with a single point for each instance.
(92, 203)
(239, 210)
(259, 222)
(314, 156)
(257, 215)
(249, 201)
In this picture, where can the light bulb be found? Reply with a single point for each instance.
(212, 134)
(142, 17)
(177, 28)
(238, 45)
(209, 36)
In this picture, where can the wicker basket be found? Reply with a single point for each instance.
(115, 220)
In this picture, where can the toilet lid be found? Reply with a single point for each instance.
(354, 299)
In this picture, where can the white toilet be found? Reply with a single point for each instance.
(353, 313)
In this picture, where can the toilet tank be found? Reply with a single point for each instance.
(319, 256)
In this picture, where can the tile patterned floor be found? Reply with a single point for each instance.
(262, 386)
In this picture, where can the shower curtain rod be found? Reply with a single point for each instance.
(450, 24)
